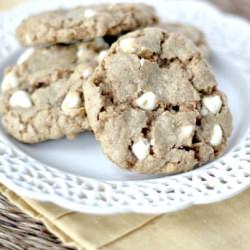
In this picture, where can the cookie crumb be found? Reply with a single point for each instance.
(217, 135)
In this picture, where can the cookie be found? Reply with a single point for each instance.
(84, 23)
(42, 95)
(190, 32)
(154, 105)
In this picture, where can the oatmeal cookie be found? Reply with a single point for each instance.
(42, 95)
(84, 23)
(154, 104)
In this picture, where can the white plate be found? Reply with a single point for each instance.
(76, 175)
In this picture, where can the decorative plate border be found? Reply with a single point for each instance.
(223, 178)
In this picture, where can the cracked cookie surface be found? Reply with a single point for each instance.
(42, 95)
(191, 32)
(154, 105)
(84, 23)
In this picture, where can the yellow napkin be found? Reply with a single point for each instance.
(222, 226)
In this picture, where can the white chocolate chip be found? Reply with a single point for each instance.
(212, 103)
(147, 101)
(25, 55)
(102, 55)
(87, 72)
(28, 39)
(20, 99)
(141, 149)
(152, 142)
(217, 135)
(127, 45)
(89, 13)
(10, 81)
(186, 131)
(71, 101)
(204, 111)
(142, 61)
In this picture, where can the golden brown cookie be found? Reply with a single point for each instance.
(154, 105)
(42, 95)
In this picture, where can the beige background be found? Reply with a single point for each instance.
(7, 4)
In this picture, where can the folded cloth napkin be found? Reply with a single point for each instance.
(219, 226)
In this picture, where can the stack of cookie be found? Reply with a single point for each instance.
(146, 93)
